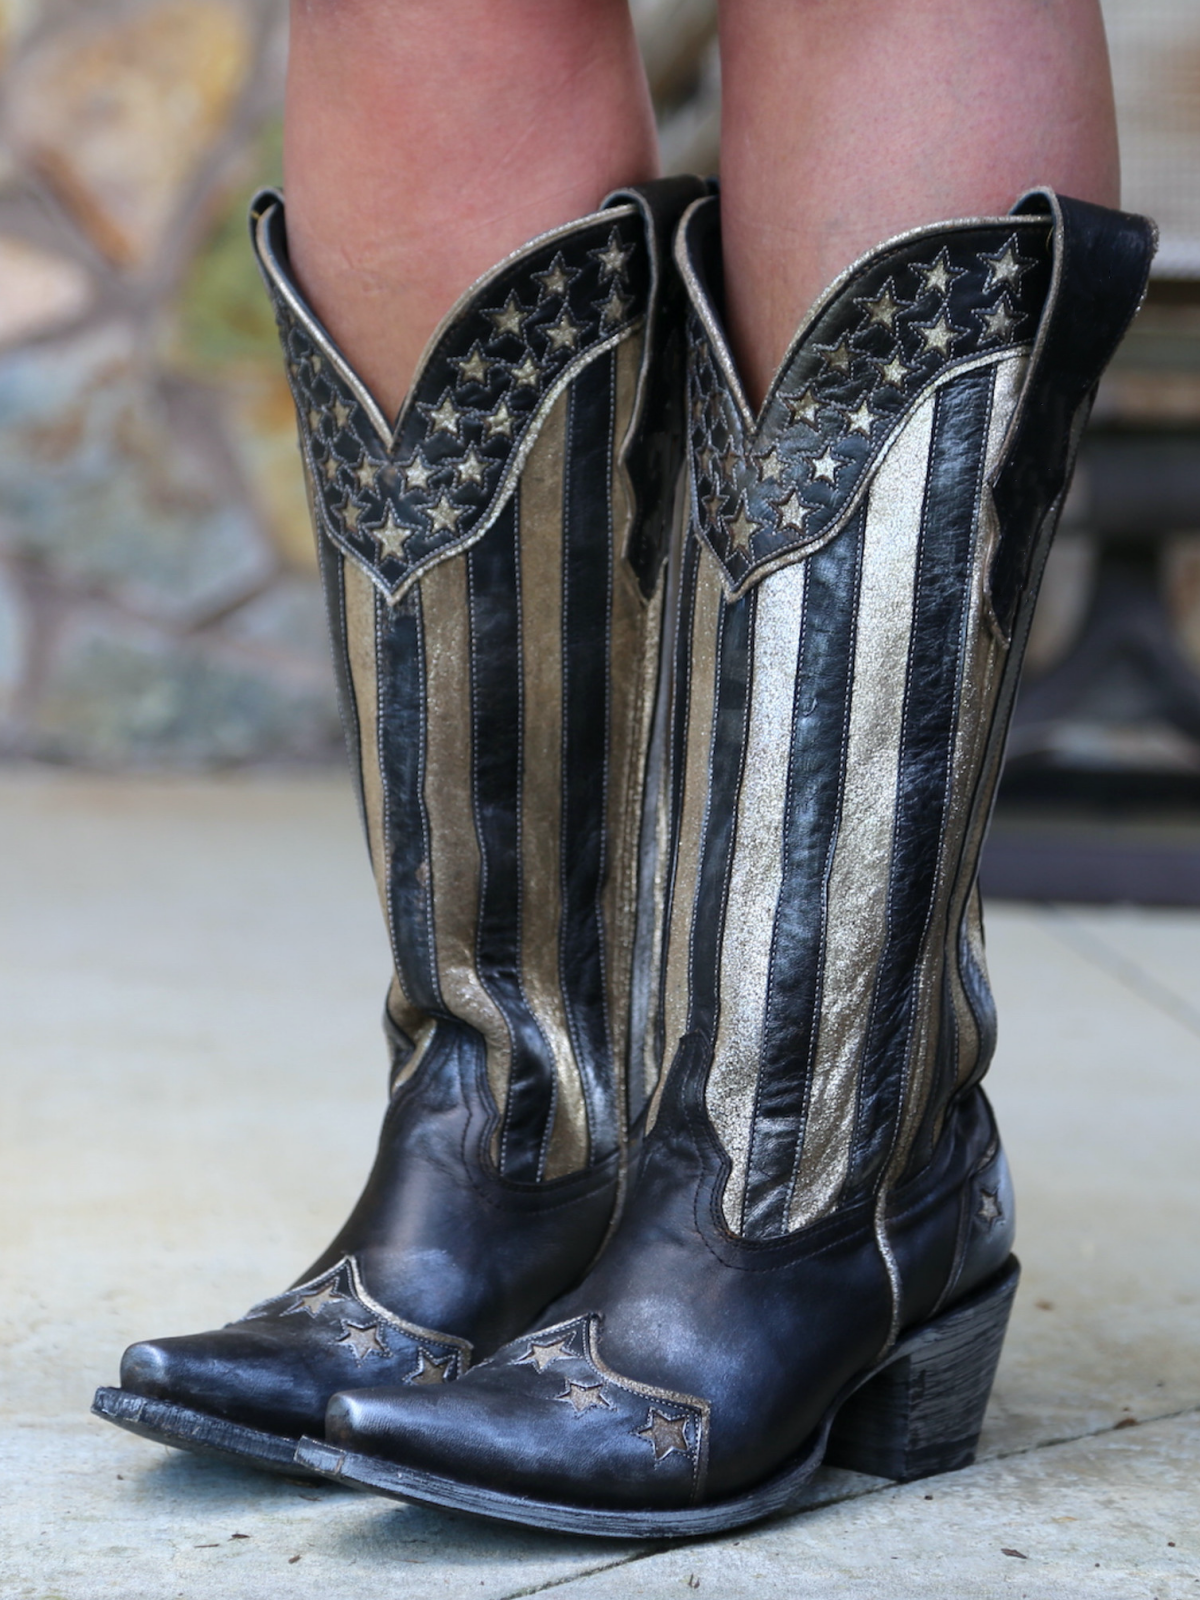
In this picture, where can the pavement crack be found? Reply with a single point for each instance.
(587, 1572)
(1063, 926)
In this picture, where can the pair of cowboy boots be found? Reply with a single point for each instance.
(686, 1182)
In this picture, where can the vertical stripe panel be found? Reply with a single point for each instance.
(542, 783)
(926, 745)
(855, 925)
(454, 858)
(818, 757)
(755, 875)
(587, 589)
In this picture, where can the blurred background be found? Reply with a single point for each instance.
(159, 606)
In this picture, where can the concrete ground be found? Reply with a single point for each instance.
(190, 976)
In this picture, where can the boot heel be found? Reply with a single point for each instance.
(922, 1414)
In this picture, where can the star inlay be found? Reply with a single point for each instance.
(351, 514)
(770, 466)
(391, 537)
(430, 1370)
(803, 408)
(837, 357)
(315, 1301)
(584, 1396)
(792, 512)
(892, 372)
(712, 503)
(860, 421)
(999, 322)
(365, 473)
(416, 474)
(443, 517)
(471, 469)
(330, 468)
(314, 420)
(1006, 267)
(742, 528)
(613, 257)
(940, 336)
(525, 374)
(556, 279)
(444, 417)
(883, 308)
(989, 1206)
(665, 1434)
(938, 275)
(542, 1352)
(317, 363)
(564, 333)
(825, 467)
(615, 306)
(510, 318)
(500, 422)
(341, 413)
(475, 367)
(363, 1341)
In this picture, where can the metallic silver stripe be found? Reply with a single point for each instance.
(857, 894)
(756, 875)
(702, 656)
(454, 857)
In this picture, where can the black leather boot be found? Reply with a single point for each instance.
(815, 1262)
(494, 570)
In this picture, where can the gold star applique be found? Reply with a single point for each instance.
(510, 318)
(1004, 267)
(989, 1206)
(315, 1300)
(615, 307)
(330, 468)
(938, 275)
(665, 1434)
(416, 474)
(802, 408)
(443, 517)
(892, 372)
(712, 503)
(444, 417)
(363, 1340)
(742, 529)
(613, 257)
(836, 357)
(770, 466)
(542, 1352)
(584, 1396)
(825, 467)
(475, 367)
(365, 473)
(341, 413)
(317, 363)
(792, 512)
(350, 515)
(430, 1370)
(940, 336)
(999, 322)
(500, 422)
(564, 333)
(860, 421)
(471, 469)
(883, 309)
(314, 420)
(556, 280)
(729, 459)
(390, 538)
(526, 374)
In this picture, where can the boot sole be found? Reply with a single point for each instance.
(184, 1429)
(918, 1413)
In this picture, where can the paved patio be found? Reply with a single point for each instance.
(190, 976)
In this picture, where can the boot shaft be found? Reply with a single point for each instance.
(493, 571)
(857, 584)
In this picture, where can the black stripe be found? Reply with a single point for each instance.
(492, 576)
(587, 607)
(815, 780)
(735, 633)
(680, 711)
(329, 562)
(401, 674)
(932, 690)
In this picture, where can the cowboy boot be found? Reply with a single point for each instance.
(815, 1260)
(493, 567)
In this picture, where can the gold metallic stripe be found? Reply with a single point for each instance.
(632, 664)
(756, 874)
(454, 861)
(856, 902)
(540, 507)
(706, 613)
